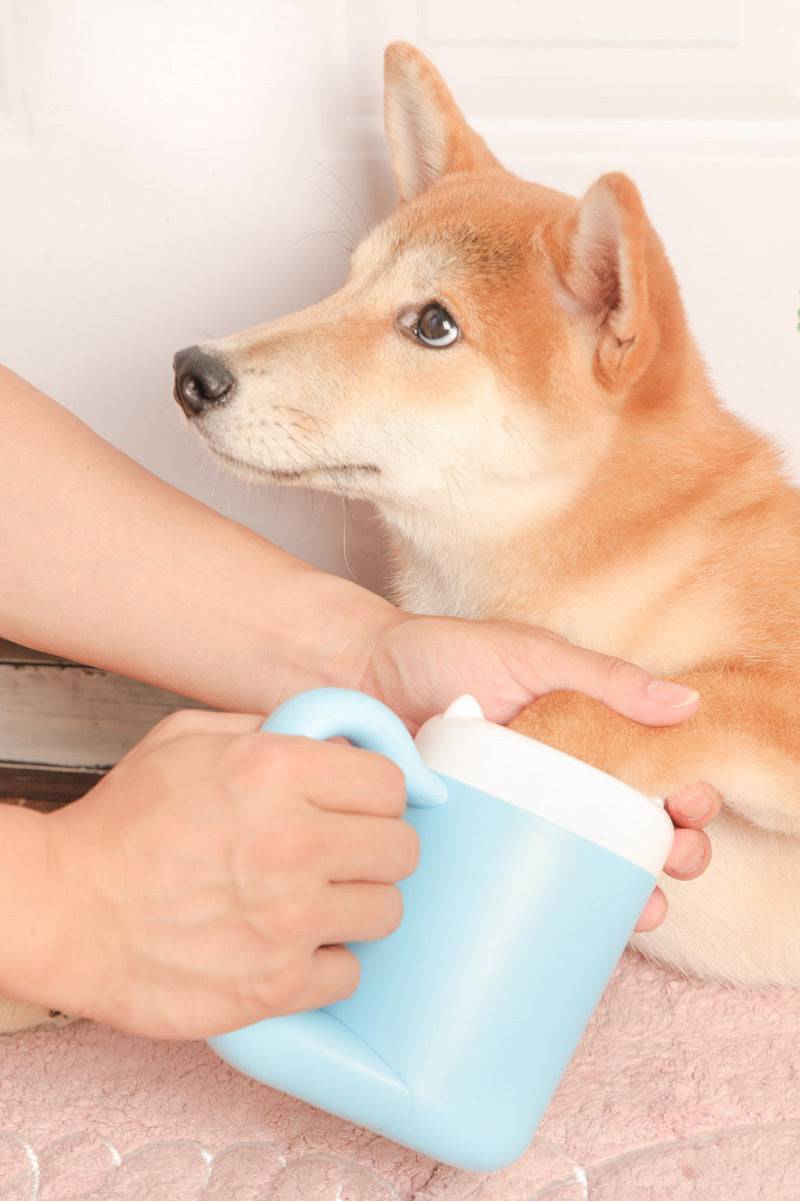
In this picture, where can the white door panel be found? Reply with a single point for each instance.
(168, 170)
(159, 185)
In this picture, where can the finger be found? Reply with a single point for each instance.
(340, 777)
(623, 686)
(689, 856)
(654, 911)
(371, 849)
(327, 775)
(185, 722)
(335, 974)
(694, 806)
(360, 912)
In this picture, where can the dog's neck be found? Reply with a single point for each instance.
(513, 553)
(452, 557)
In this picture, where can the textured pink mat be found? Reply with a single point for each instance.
(680, 1090)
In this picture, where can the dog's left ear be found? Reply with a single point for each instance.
(427, 133)
(606, 256)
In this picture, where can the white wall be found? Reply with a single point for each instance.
(164, 166)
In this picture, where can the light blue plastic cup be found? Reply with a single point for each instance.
(533, 870)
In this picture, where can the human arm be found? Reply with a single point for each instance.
(106, 563)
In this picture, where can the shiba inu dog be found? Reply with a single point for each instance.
(508, 375)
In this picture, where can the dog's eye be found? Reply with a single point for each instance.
(435, 327)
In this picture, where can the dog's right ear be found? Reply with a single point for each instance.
(427, 133)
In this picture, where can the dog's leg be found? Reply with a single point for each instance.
(744, 740)
(740, 920)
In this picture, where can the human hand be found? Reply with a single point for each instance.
(208, 880)
(691, 809)
(420, 664)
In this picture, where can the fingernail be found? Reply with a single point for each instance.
(690, 861)
(675, 696)
(693, 806)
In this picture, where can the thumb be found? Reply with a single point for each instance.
(623, 686)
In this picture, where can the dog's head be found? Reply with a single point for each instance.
(487, 338)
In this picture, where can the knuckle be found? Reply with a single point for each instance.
(293, 842)
(278, 990)
(249, 760)
(612, 671)
(180, 722)
(291, 915)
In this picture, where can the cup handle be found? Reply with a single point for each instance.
(366, 722)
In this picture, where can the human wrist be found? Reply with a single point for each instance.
(337, 626)
(28, 909)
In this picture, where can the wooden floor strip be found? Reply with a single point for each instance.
(63, 725)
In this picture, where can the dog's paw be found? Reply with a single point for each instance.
(588, 730)
(573, 723)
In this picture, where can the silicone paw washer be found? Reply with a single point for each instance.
(533, 870)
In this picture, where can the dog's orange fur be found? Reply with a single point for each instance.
(653, 524)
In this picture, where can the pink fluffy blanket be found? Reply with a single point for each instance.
(679, 1090)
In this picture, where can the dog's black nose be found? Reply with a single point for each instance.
(200, 381)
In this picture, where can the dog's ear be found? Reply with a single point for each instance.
(606, 251)
(427, 133)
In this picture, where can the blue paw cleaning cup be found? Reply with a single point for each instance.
(533, 870)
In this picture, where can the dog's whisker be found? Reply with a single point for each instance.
(321, 499)
(334, 234)
(345, 521)
(344, 215)
(514, 432)
(467, 507)
(324, 233)
(456, 527)
(342, 184)
(348, 235)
